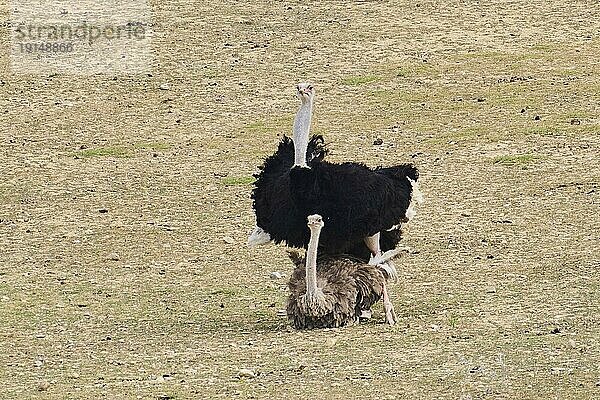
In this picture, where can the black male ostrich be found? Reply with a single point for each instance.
(360, 204)
(334, 293)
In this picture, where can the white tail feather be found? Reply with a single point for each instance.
(258, 237)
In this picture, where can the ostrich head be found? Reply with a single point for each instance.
(305, 92)
(315, 223)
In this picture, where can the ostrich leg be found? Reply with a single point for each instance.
(379, 258)
(390, 314)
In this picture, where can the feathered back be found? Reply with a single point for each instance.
(354, 200)
(349, 285)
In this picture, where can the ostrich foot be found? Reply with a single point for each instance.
(390, 314)
(257, 237)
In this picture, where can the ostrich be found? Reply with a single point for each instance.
(336, 293)
(362, 205)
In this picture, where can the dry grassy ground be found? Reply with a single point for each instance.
(501, 300)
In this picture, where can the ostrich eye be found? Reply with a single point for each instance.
(310, 88)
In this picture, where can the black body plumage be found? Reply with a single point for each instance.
(355, 202)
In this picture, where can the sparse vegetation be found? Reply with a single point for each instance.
(511, 203)
(237, 180)
(516, 159)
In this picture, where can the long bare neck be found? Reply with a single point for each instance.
(311, 262)
(301, 133)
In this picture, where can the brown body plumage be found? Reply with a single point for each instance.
(331, 292)
(348, 284)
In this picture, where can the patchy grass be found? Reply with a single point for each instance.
(517, 159)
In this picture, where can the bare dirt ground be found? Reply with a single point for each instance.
(497, 104)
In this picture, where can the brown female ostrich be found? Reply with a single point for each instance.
(335, 294)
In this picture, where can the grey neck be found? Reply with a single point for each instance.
(301, 133)
(311, 262)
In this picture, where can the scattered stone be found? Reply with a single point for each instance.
(378, 142)
(276, 275)
(246, 373)
(165, 86)
(43, 386)
(229, 240)
(113, 257)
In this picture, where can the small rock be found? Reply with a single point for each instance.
(165, 86)
(466, 214)
(113, 257)
(575, 122)
(246, 373)
(276, 275)
(555, 331)
(331, 341)
(378, 142)
(229, 240)
(103, 210)
(40, 336)
(537, 118)
(490, 289)
(523, 110)
(281, 313)
(43, 386)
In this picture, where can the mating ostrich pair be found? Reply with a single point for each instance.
(362, 212)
